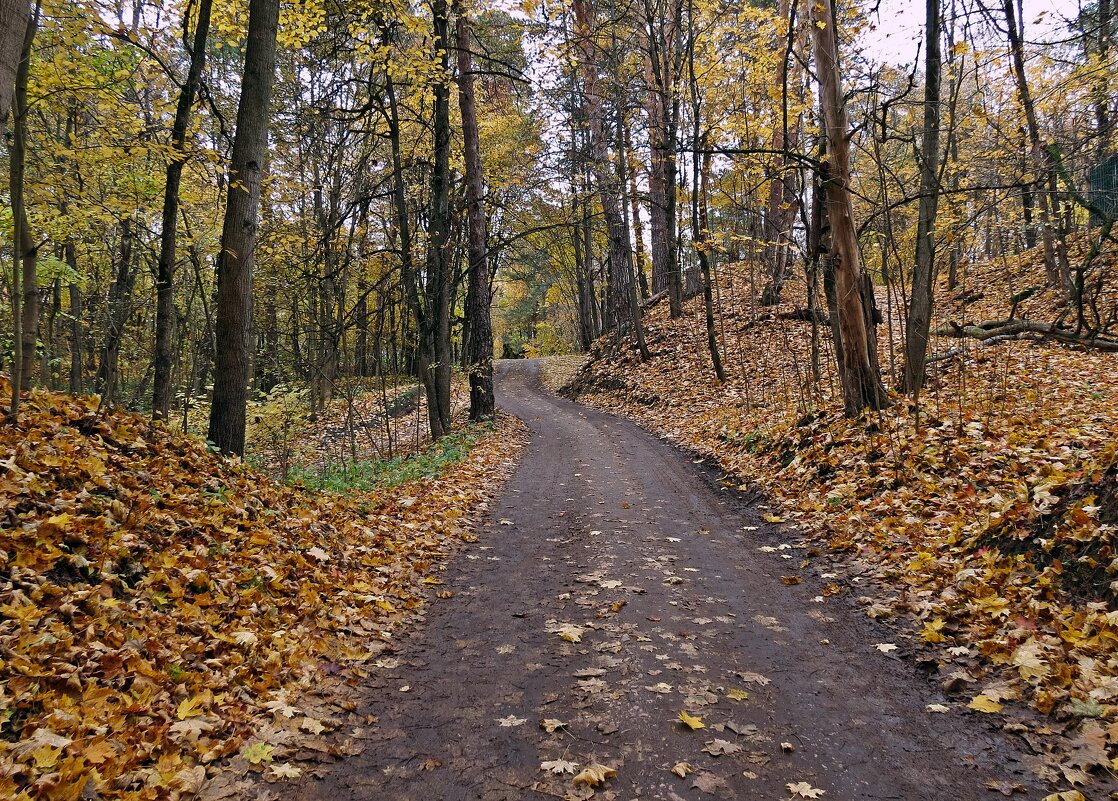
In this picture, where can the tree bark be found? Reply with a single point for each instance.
(238, 234)
(25, 290)
(924, 274)
(625, 304)
(859, 373)
(165, 271)
(1039, 157)
(14, 15)
(479, 355)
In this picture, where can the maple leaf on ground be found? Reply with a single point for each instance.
(594, 775)
(551, 724)
(691, 721)
(559, 766)
(803, 790)
(510, 721)
(682, 769)
(285, 770)
(982, 703)
(721, 748)
(257, 753)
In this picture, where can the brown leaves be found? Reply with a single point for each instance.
(155, 581)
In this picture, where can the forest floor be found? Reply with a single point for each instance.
(618, 633)
(163, 608)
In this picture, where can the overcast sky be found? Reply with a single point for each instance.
(899, 26)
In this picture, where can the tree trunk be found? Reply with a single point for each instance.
(859, 372)
(162, 390)
(75, 336)
(238, 235)
(1039, 157)
(924, 274)
(119, 307)
(479, 356)
(14, 15)
(25, 253)
(624, 293)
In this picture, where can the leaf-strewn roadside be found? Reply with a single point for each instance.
(155, 598)
(989, 519)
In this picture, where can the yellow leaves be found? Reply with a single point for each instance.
(737, 695)
(551, 725)
(981, 703)
(803, 790)
(257, 753)
(570, 632)
(192, 707)
(691, 721)
(932, 629)
(594, 775)
(1067, 795)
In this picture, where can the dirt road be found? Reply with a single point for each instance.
(614, 589)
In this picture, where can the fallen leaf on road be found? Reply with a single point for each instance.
(787, 747)
(511, 720)
(559, 766)
(721, 748)
(737, 695)
(682, 769)
(691, 721)
(1067, 795)
(803, 790)
(938, 708)
(594, 775)
(885, 647)
(570, 632)
(983, 704)
(662, 688)
(551, 724)
(709, 783)
(753, 678)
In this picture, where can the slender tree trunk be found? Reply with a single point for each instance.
(238, 236)
(859, 372)
(639, 258)
(924, 274)
(436, 337)
(162, 390)
(75, 336)
(25, 252)
(1038, 154)
(1101, 91)
(119, 308)
(479, 356)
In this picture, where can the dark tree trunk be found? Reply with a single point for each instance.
(25, 255)
(924, 274)
(238, 235)
(479, 355)
(162, 389)
(119, 308)
(75, 333)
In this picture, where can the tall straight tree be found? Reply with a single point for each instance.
(165, 272)
(435, 355)
(25, 253)
(622, 281)
(13, 27)
(479, 355)
(859, 372)
(924, 274)
(662, 20)
(238, 233)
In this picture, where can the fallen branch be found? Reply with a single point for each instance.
(993, 331)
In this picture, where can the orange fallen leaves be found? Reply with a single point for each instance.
(155, 598)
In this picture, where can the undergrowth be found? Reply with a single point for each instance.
(366, 475)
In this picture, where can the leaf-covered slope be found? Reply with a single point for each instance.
(989, 517)
(153, 596)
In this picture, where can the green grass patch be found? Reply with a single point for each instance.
(365, 476)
